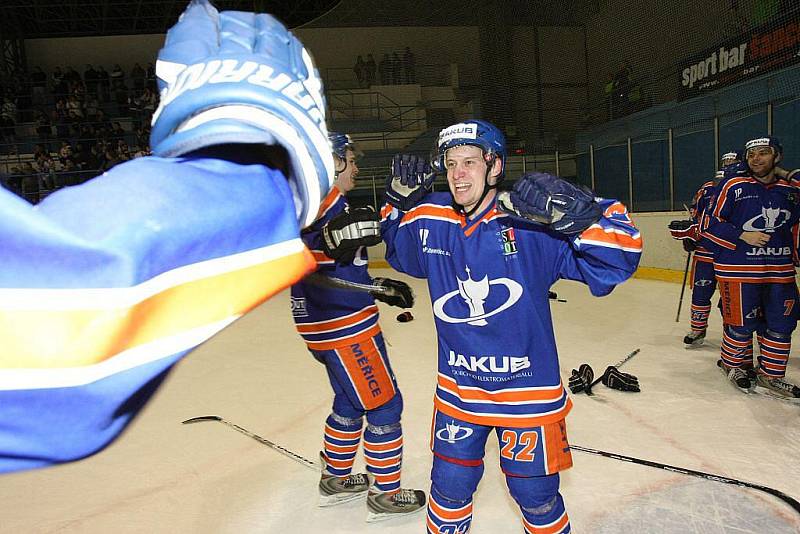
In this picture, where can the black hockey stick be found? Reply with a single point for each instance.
(286, 452)
(337, 283)
(683, 287)
(700, 474)
(552, 295)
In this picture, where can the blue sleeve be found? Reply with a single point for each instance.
(403, 248)
(605, 254)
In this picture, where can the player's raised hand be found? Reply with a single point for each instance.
(236, 77)
(551, 201)
(410, 180)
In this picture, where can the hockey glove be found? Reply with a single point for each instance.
(237, 77)
(411, 180)
(581, 379)
(395, 293)
(551, 201)
(616, 379)
(344, 234)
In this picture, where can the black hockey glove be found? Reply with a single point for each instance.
(551, 201)
(395, 293)
(411, 179)
(345, 233)
(581, 379)
(689, 245)
(616, 379)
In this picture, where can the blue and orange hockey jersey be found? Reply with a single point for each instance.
(328, 318)
(105, 286)
(745, 204)
(488, 279)
(701, 202)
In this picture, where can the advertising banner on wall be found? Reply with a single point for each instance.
(769, 47)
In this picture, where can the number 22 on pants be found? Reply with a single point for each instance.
(527, 440)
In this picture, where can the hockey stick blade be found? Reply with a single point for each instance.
(691, 472)
(264, 441)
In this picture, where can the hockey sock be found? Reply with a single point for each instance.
(699, 321)
(775, 350)
(551, 517)
(448, 516)
(383, 453)
(342, 436)
(736, 351)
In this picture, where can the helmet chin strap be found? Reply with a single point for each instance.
(486, 188)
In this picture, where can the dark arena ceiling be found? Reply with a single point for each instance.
(35, 19)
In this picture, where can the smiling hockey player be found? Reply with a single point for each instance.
(751, 234)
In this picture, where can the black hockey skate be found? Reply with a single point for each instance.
(738, 376)
(777, 387)
(694, 339)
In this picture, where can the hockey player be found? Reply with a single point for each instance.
(703, 281)
(750, 232)
(106, 285)
(490, 259)
(342, 332)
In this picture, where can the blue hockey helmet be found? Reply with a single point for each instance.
(768, 141)
(340, 143)
(731, 157)
(482, 134)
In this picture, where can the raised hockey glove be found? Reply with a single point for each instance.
(581, 379)
(238, 77)
(551, 201)
(616, 379)
(687, 231)
(395, 292)
(411, 179)
(345, 233)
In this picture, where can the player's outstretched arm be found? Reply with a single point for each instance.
(106, 285)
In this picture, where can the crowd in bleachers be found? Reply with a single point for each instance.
(65, 127)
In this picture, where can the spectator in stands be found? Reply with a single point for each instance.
(103, 84)
(60, 118)
(30, 183)
(110, 159)
(65, 153)
(90, 80)
(58, 83)
(385, 70)
(74, 109)
(118, 77)
(396, 68)
(370, 68)
(91, 108)
(71, 77)
(8, 120)
(117, 132)
(38, 86)
(121, 97)
(137, 78)
(44, 128)
(409, 67)
(151, 77)
(358, 69)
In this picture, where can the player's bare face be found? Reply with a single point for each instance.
(466, 175)
(762, 161)
(346, 180)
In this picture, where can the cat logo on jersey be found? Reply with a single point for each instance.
(768, 221)
(454, 433)
(509, 242)
(475, 293)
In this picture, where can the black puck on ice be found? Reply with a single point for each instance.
(405, 317)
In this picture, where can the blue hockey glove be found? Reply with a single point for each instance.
(411, 179)
(238, 77)
(551, 201)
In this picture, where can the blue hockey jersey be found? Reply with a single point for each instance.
(328, 318)
(745, 204)
(488, 280)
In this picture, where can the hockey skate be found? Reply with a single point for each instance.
(738, 376)
(335, 490)
(694, 339)
(385, 505)
(777, 387)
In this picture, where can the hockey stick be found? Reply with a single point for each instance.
(618, 365)
(338, 283)
(683, 286)
(700, 474)
(552, 295)
(286, 452)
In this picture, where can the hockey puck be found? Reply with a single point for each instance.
(405, 317)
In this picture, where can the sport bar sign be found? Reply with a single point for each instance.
(769, 47)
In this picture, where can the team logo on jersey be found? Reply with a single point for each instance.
(299, 307)
(768, 221)
(755, 313)
(475, 293)
(769, 251)
(453, 432)
(509, 242)
(703, 283)
(423, 236)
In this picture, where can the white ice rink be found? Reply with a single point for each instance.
(162, 476)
